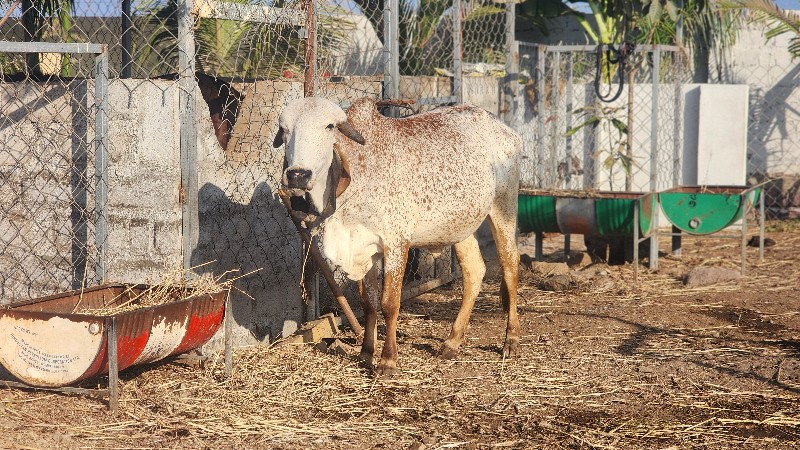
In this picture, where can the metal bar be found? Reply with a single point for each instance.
(555, 137)
(744, 235)
(188, 134)
(539, 241)
(654, 122)
(677, 127)
(654, 243)
(127, 43)
(458, 51)
(309, 85)
(591, 48)
(540, 76)
(391, 63)
(66, 389)
(101, 163)
(512, 67)
(676, 241)
(761, 219)
(568, 124)
(436, 100)
(636, 241)
(113, 365)
(50, 47)
(567, 242)
(228, 337)
(242, 12)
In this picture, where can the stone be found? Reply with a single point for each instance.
(548, 268)
(704, 276)
(557, 283)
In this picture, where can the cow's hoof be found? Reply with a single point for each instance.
(385, 371)
(365, 359)
(511, 348)
(448, 352)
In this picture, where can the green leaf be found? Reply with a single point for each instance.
(619, 125)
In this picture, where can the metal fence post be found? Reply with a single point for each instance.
(310, 83)
(458, 91)
(127, 46)
(188, 137)
(101, 162)
(512, 66)
(540, 144)
(391, 52)
(654, 120)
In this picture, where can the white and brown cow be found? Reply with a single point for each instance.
(375, 186)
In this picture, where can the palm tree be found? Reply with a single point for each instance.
(778, 20)
(37, 17)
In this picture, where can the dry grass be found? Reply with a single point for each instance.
(609, 365)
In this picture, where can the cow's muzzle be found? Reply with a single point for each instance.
(295, 178)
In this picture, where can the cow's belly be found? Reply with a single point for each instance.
(450, 219)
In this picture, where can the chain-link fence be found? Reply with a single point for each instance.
(53, 180)
(601, 125)
(773, 78)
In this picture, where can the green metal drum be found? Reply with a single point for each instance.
(592, 213)
(703, 210)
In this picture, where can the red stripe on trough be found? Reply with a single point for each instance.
(206, 319)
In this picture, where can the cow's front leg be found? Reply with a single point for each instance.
(394, 264)
(370, 298)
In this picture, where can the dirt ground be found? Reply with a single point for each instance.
(606, 363)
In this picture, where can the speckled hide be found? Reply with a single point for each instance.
(426, 181)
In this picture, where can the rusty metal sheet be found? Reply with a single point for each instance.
(49, 342)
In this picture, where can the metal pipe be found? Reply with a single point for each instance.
(101, 163)
(458, 53)
(228, 336)
(654, 121)
(188, 134)
(636, 241)
(127, 42)
(762, 219)
(309, 85)
(113, 365)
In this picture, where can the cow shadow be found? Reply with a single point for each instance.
(257, 245)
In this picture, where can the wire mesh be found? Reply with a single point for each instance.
(52, 187)
(574, 140)
(773, 77)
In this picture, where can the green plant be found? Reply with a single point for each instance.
(617, 149)
(778, 20)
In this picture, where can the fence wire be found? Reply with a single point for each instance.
(52, 187)
(575, 140)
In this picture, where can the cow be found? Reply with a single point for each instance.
(373, 187)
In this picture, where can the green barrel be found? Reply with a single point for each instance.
(704, 210)
(603, 213)
(537, 213)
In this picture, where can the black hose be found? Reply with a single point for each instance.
(613, 55)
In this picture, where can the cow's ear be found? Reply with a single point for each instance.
(278, 138)
(344, 175)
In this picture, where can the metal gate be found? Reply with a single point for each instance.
(53, 180)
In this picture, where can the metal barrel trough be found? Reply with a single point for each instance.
(58, 340)
(590, 213)
(702, 210)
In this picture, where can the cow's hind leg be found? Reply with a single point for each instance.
(503, 224)
(473, 269)
(370, 299)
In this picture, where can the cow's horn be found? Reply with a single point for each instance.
(351, 132)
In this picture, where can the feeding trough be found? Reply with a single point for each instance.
(59, 340)
(704, 210)
(586, 212)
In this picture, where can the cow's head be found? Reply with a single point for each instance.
(315, 171)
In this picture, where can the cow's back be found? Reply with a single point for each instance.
(430, 178)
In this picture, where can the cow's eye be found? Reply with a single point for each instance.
(330, 126)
